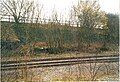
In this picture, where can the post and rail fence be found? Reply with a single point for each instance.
(9, 18)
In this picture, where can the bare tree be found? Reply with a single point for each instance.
(90, 17)
(17, 8)
(20, 10)
(27, 10)
(54, 36)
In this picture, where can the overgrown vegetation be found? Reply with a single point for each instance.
(28, 36)
(65, 37)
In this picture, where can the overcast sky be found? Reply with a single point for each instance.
(63, 6)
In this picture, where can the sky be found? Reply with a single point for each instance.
(110, 6)
(63, 6)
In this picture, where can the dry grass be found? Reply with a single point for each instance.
(63, 74)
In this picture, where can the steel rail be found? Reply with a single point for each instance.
(54, 65)
(37, 63)
(57, 63)
(52, 59)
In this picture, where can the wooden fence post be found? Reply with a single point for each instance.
(9, 17)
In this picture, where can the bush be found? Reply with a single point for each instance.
(53, 50)
(40, 50)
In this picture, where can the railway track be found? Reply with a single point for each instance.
(36, 63)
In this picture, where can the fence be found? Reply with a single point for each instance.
(9, 18)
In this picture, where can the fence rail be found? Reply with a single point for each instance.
(9, 18)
